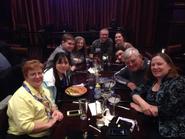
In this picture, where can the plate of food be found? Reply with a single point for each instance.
(76, 90)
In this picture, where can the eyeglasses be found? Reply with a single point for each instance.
(132, 61)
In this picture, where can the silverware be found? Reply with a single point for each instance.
(95, 128)
(126, 108)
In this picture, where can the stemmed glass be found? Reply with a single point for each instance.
(108, 85)
(114, 99)
(105, 95)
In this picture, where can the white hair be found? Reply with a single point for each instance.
(131, 51)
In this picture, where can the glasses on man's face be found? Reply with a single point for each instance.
(131, 62)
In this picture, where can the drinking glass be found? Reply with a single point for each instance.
(83, 106)
(88, 62)
(91, 81)
(105, 95)
(100, 108)
(114, 99)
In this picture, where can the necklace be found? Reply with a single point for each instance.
(42, 99)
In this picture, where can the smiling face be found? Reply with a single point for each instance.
(68, 45)
(79, 44)
(104, 34)
(35, 78)
(159, 67)
(120, 55)
(134, 62)
(119, 38)
(32, 71)
(62, 66)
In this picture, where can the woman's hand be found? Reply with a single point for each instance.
(135, 107)
(58, 115)
(146, 108)
(52, 121)
(154, 110)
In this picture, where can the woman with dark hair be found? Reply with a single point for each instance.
(120, 45)
(165, 98)
(57, 76)
(120, 42)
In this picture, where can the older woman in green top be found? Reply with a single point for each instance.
(31, 112)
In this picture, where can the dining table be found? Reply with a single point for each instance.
(72, 127)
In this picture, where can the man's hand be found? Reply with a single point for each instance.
(131, 85)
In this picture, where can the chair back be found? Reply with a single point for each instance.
(4, 117)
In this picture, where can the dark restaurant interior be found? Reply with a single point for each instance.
(33, 29)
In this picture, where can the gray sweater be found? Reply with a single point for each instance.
(124, 76)
(51, 57)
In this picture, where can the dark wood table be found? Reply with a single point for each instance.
(75, 128)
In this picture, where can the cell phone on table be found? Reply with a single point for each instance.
(118, 132)
(73, 113)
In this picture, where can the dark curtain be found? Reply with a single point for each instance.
(138, 17)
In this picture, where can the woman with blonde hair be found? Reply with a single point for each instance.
(79, 53)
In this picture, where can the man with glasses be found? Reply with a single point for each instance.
(132, 75)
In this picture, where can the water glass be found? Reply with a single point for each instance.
(100, 108)
(83, 106)
(91, 81)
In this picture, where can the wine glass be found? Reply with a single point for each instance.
(114, 99)
(107, 86)
(105, 95)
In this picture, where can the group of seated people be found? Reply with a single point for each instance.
(103, 46)
(157, 90)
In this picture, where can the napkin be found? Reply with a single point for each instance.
(93, 71)
(95, 108)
